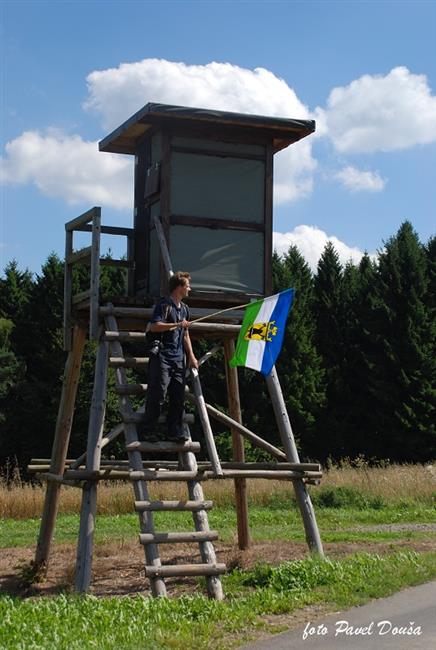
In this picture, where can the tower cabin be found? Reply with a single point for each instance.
(207, 175)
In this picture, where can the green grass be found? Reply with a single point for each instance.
(252, 597)
(267, 523)
(72, 622)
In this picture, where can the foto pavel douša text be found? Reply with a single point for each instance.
(377, 628)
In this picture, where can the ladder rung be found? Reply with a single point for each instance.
(173, 570)
(124, 336)
(177, 538)
(183, 506)
(164, 447)
(163, 475)
(131, 389)
(138, 418)
(127, 362)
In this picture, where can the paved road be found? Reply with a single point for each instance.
(379, 625)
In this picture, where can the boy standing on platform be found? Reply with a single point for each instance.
(167, 365)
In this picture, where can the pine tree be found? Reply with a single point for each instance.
(365, 357)
(329, 338)
(405, 374)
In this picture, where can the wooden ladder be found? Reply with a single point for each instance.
(188, 471)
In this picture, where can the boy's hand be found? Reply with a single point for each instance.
(192, 362)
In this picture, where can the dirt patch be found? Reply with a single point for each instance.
(118, 567)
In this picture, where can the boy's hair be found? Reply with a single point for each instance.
(179, 279)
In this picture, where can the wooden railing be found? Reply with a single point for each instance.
(90, 221)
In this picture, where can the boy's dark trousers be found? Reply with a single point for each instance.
(165, 375)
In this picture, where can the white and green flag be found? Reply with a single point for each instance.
(262, 331)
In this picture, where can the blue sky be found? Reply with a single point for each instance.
(366, 71)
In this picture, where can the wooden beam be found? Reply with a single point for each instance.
(217, 153)
(68, 293)
(254, 439)
(152, 474)
(173, 475)
(81, 220)
(93, 455)
(204, 418)
(82, 256)
(94, 325)
(60, 447)
(164, 252)
(303, 497)
(180, 570)
(165, 208)
(141, 216)
(268, 221)
(38, 465)
(164, 447)
(109, 230)
(237, 444)
(179, 537)
(173, 506)
(209, 222)
(80, 297)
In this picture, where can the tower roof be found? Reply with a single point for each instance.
(282, 131)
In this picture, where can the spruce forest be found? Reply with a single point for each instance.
(357, 368)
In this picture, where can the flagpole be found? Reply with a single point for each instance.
(221, 311)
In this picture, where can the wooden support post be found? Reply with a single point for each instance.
(238, 445)
(204, 418)
(131, 270)
(93, 455)
(303, 498)
(95, 276)
(252, 437)
(68, 290)
(60, 448)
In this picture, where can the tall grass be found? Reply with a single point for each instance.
(389, 484)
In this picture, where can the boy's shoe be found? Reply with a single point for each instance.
(183, 436)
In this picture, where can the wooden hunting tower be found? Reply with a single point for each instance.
(208, 176)
(203, 204)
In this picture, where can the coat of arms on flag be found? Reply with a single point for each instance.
(262, 331)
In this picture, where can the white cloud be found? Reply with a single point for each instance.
(371, 113)
(311, 242)
(381, 113)
(69, 168)
(116, 93)
(357, 180)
